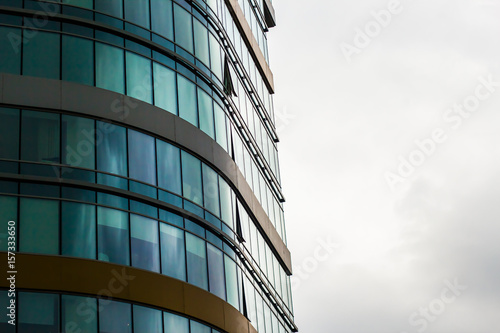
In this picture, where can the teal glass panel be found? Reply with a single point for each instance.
(165, 88)
(215, 57)
(78, 142)
(41, 56)
(114, 317)
(39, 226)
(141, 156)
(80, 3)
(79, 314)
(9, 133)
(197, 327)
(196, 255)
(220, 126)
(10, 50)
(216, 271)
(191, 178)
(137, 11)
(8, 212)
(173, 253)
(210, 190)
(139, 80)
(147, 320)
(112, 149)
(40, 137)
(38, 313)
(206, 112)
(113, 236)
(250, 299)
(144, 241)
(231, 281)
(226, 212)
(183, 28)
(187, 100)
(161, 18)
(78, 230)
(169, 167)
(10, 311)
(78, 60)
(201, 42)
(174, 323)
(110, 67)
(111, 7)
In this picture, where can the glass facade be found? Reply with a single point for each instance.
(81, 184)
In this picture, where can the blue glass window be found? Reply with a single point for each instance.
(79, 314)
(173, 253)
(81, 3)
(211, 190)
(183, 28)
(196, 255)
(145, 249)
(147, 320)
(111, 7)
(137, 12)
(187, 100)
(10, 50)
(110, 67)
(161, 17)
(139, 79)
(197, 327)
(165, 88)
(220, 126)
(78, 60)
(39, 226)
(231, 281)
(141, 155)
(41, 55)
(175, 324)
(169, 167)
(113, 236)
(191, 178)
(201, 42)
(206, 113)
(40, 137)
(38, 313)
(8, 212)
(114, 317)
(78, 230)
(111, 150)
(215, 57)
(225, 202)
(9, 138)
(78, 142)
(216, 271)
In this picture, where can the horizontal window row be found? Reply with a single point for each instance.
(177, 248)
(39, 312)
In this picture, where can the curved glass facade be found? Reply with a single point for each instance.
(80, 185)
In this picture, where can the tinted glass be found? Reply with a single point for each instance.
(137, 12)
(38, 313)
(9, 132)
(114, 317)
(169, 167)
(8, 212)
(220, 126)
(111, 7)
(78, 230)
(201, 42)
(78, 148)
(141, 154)
(175, 324)
(187, 100)
(183, 28)
(216, 271)
(81, 3)
(112, 150)
(210, 190)
(10, 53)
(147, 320)
(145, 249)
(215, 57)
(10, 314)
(79, 314)
(113, 236)
(77, 60)
(109, 67)
(173, 253)
(39, 226)
(225, 202)
(231, 281)
(191, 178)
(206, 113)
(41, 55)
(161, 17)
(139, 79)
(165, 88)
(40, 137)
(196, 327)
(196, 261)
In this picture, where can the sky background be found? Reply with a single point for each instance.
(345, 125)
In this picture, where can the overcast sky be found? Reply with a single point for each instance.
(414, 228)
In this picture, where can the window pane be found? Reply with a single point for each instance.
(206, 113)
(78, 142)
(8, 212)
(147, 320)
(215, 57)
(114, 317)
(196, 327)
(79, 314)
(196, 261)
(141, 150)
(191, 178)
(80, 3)
(78, 230)
(175, 324)
(40, 137)
(216, 271)
(113, 236)
(109, 67)
(161, 16)
(231, 281)
(145, 250)
(210, 190)
(187, 100)
(139, 80)
(225, 202)
(9, 131)
(41, 55)
(10, 53)
(38, 313)
(5, 327)
(250, 298)
(137, 12)
(169, 167)
(78, 60)
(183, 28)
(173, 254)
(201, 42)
(111, 7)
(220, 126)
(112, 150)
(165, 88)
(39, 226)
